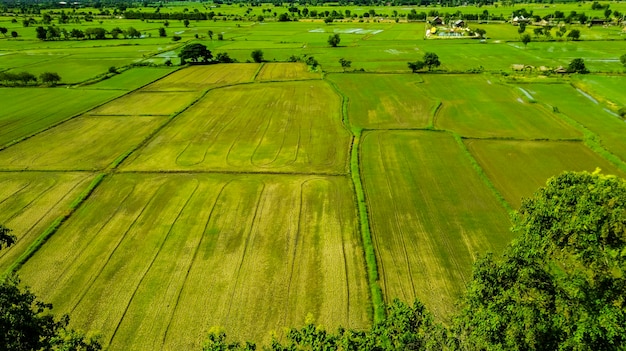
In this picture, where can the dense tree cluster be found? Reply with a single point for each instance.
(56, 33)
(429, 60)
(26, 78)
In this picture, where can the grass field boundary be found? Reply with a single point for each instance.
(368, 245)
(256, 74)
(52, 229)
(481, 172)
(591, 140)
(376, 293)
(433, 114)
(26, 137)
(581, 86)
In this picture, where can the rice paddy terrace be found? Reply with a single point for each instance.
(246, 196)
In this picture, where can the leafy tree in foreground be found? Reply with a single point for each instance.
(195, 52)
(334, 40)
(577, 66)
(561, 283)
(431, 60)
(405, 328)
(26, 323)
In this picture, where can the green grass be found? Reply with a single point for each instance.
(83, 143)
(518, 168)
(31, 201)
(386, 101)
(132, 79)
(609, 129)
(269, 127)
(163, 248)
(475, 106)
(29, 110)
(146, 103)
(427, 222)
(607, 89)
(198, 78)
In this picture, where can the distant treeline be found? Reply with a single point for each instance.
(34, 6)
(55, 33)
(26, 78)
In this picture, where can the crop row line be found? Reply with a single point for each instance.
(30, 251)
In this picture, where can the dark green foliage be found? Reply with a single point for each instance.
(257, 55)
(622, 59)
(51, 78)
(6, 238)
(525, 39)
(561, 283)
(574, 34)
(405, 328)
(195, 52)
(577, 66)
(132, 33)
(26, 323)
(3, 31)
(162, 32)
(416, 66)
(431, 60)
(223, 57)
(334, 40)
(345, 63)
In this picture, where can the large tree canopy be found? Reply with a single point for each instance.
(195, 52)
(561, 284)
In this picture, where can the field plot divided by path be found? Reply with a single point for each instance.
(197, 78)
(474, 106)
(518, 168)
(430, 213)
(169, 256)
(31, 201)
(29, 110)
(380, 101)
(132, 79)
(83, 143)
(286, 71)
(581, 108)
(271, 127)
(610, 88)
(147, 104)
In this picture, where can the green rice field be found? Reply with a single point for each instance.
(428, 222)
(157, 203)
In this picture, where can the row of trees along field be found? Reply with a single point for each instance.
(558, 286)
(26, 78)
